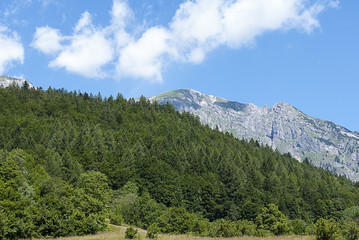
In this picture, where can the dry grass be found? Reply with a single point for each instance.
(118, 233)
(183, 237)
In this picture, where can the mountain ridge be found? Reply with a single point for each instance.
(283, 127)
(6, 81)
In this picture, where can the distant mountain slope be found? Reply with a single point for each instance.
(283, 127)
(6, 81)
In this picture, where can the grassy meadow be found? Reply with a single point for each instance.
(116, 233)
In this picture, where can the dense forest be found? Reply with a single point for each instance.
(69, 160)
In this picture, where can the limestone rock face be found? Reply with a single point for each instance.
(283, 127)
(6, 81)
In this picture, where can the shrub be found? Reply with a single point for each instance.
(273, 220)
(299, 226)
(201, 227)
(263, 233)
(310, 229)
(116, 219)
(351, 213)
(246, 227)
(351, 230)
(152, 231)
(175, 220)
(326, 229)
(225, 228)
(130, 232)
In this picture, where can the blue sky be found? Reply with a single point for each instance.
(303, 52)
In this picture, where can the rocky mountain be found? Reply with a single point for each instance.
(6, 81)
(283, 127)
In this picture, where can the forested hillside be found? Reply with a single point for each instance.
(66, 156)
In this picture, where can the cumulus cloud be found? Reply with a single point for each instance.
(47, 40)
(203, 25)
(121, 16)
(11, 49)
(197, 28)
(145, 57)
(83, 53)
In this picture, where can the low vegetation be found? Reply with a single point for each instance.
(70, 160)
(119, 233)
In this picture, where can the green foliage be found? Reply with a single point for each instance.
(224, 228)
(299, 226)
(37, 205)
(264, 232)
(25, 85)
(94, 185)
(175, 220)
(351, 221)
(131, 233)
(351, 230)
(246, 227)
(326, 229)
(152, 231)
(141, 211)
(201, 226)
(273, 220)
(351, 213)
(116, 218)
(64, 155)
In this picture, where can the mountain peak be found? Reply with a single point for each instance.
(188, 95)
(283, 127)
(6, 81)
(282, 106)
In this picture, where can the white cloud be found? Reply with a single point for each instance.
(201, 26)
(84, 23)
(145, 57)
(83, 53)
(204, 25)
(47, 40)
(121, 17)
(198, 27)
(121, 14)
(11, 49)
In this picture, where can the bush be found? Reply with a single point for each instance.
(351, 230)
(116, 219)
(152, 231)
(351, 213)
(130, 232)
(201, 227)
(273, 220)
(176, 220)
(263, 233)
(310, 229)
(299, 226)
(246, 227)
(225, 228)
(326, 229)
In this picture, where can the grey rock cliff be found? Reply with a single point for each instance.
(6, 81)
(283, 127)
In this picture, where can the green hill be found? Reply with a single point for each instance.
(66, 157)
